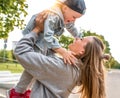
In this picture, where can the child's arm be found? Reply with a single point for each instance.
(73, 30)
(29, 27)
(51, 23)
(68, 56)
(31, 24)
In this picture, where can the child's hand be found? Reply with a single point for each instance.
(68, 56)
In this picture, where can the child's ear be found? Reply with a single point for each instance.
(64, 8)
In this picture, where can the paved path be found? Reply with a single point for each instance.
(113, 86)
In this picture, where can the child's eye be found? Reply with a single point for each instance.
(77, 38)
(81, 38)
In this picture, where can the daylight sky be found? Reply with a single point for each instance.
(102, 17)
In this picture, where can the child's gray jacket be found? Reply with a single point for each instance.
(54, 25)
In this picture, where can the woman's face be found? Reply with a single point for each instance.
(70, 15)
(78, 46)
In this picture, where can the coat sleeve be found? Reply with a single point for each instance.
(73, 30)
(29, 27)
(50, 26)
(39, 66)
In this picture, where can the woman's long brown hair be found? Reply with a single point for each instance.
(92, 71)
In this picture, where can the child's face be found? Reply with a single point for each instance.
(69, 14)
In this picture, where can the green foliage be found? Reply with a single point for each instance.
(65, 41)
(3, 54)
(7, 56)
(12, 13)
(13, 57)
(112, 63)
(13, 67)
(89, 33)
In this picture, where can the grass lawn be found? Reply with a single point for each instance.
(13, 67)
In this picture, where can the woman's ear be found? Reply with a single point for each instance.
(82, 52)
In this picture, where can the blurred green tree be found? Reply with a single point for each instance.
(65, 41)
(112, 63)
(106, 43)
(12, 13)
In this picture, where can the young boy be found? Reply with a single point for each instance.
(62, 15)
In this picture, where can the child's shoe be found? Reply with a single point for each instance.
(27, 94)
(13, 94)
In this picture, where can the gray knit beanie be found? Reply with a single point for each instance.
(76, 5)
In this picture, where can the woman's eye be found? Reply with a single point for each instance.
(82, 38)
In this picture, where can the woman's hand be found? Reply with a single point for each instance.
(39, 21)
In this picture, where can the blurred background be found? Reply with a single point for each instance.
(101, 19)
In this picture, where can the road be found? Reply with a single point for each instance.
(112, 86)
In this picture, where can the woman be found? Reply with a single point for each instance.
(54, 78)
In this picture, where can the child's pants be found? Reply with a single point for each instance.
(25, 82)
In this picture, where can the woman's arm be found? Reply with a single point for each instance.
(39, 66)
(50, 71)
(32, 61)
(29, 27)
(31, 24)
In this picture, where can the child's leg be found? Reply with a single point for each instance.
(24, 82)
